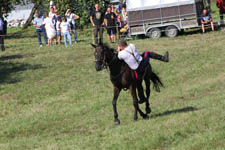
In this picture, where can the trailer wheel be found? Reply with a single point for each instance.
(154, 33)
(171, 31)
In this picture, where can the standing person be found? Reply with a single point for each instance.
(221, 5)
(50, 29)
(110, 22)
(206, 18)
(97, 20)
(119, 25)
(2, 34)
(65, 30)
(39, 25)
(71, 17)
(138, 62)
(58, 30)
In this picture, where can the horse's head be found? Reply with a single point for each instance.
(102, 54)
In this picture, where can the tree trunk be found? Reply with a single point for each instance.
(29, 20)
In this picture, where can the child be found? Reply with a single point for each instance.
(65, 30)
(58, 29)
(119, 25)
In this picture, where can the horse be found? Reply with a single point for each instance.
(122, 77)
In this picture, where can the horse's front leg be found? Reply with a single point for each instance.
(135, 103)
(115, 97)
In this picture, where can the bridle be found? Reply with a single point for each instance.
(102, 60)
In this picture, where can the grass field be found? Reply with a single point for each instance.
(52, 98)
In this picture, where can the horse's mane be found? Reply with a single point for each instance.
(106, 47)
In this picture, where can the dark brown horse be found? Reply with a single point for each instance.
(122, 77)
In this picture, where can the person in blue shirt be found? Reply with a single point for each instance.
(40, 30)
(206, 19)
(2, 33)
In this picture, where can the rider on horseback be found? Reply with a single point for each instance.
(138, 62)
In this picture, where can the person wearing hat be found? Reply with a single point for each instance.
(120, 24)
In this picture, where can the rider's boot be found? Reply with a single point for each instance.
(164, 58)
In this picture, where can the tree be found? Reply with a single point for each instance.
(37, 4)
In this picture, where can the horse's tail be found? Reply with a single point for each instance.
(157, 83)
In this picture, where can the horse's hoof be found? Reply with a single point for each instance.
(148, 110)
(117, 122)
(146, 117)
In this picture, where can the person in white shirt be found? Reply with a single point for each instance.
(50, 29)
(71, 17)
(138, 62)
(65, 30)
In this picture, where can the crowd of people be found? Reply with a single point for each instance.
(113, 20)
(53, 26)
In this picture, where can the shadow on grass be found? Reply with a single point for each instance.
(26, 33)
(11, 57)
(9, 70)
(181, 110)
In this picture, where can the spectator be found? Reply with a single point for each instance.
(97, 20)
(71, 17)
(50, 29)
(113, 8)
(110, 22)
(221, 5)
(206, 18)
(39, 24)
(2, 34)
(123, 12)
(65, 30)
(119, 25)
(58, 31)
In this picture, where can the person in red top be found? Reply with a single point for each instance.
(221, 5)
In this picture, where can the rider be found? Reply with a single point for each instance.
(138, 62)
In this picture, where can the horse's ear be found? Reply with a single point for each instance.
(93, 45)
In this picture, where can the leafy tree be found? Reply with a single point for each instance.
(6, 6)
(79, 7)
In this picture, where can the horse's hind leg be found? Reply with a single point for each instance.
(148, 90)
(115, 97)
(135, 103)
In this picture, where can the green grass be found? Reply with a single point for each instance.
(52, 97)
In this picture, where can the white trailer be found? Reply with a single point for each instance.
(152, 17)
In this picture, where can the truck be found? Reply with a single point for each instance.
(154, 17)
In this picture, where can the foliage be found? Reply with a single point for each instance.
(8, 5)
